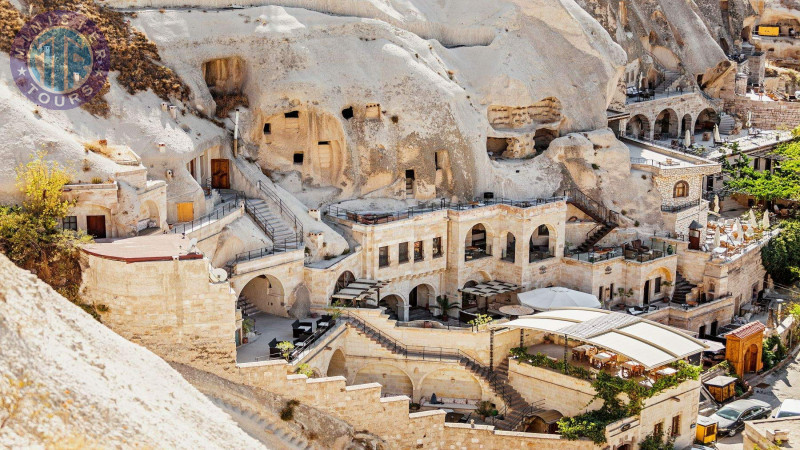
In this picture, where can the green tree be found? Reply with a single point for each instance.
(782, 183)
(781, 255)
(31, 235)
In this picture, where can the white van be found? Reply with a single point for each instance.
(789, 408)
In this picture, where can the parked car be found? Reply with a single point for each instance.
(732, 416)
(789, 408)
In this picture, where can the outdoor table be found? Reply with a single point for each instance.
(583, 351)
(666, 371)
(632, 369)
(515, 310)
(601, 359)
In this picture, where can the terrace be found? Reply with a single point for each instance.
(375, 217)
(633, 251)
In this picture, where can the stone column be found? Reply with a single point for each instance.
(404, 314)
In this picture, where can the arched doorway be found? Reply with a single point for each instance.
(477, 243)
(392, 378)
(344, 279)
(666, 125)
(542, 243)
(686, 124)
(452, 383)
(544, 422)
(469, 300)
(394, 306)
(706, 121)
(265, 292)
(638, 127)
(421, 296)
(509, 254)
(337, 366)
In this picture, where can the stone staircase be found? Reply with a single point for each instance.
(516, 406)
(279, 232)
(671, 81)
(726, 123)
(256, 425)
(607, 218)
(682, 288)
(247, 308)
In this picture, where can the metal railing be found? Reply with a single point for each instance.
(377, 218)
(500, 388)
(681, 207)
(591, 207)
(217, 214)
(284, 210)
(594, 257)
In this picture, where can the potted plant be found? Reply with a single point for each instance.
(286, 348)
(481, 320)
(247, 327)
(445, 305)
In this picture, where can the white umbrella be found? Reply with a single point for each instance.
(716, 237)
(717, 138)
(749, 119)
(765, 221)
(545, 299)
(687, 141)
(751, 221)
(716, 203)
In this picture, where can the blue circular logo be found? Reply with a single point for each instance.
(60, 60)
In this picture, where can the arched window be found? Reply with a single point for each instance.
(681, 189)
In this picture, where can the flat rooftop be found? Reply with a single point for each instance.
(160, 247)
(638, 151)
(789, 425)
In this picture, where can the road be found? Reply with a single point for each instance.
(775, 388)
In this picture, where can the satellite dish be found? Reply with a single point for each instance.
(218, 275)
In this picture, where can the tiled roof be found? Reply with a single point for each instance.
(747, 330)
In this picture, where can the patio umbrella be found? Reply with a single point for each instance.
(717, 138)
(737, 228)
(545, 299)
(687, 140)
(716, 237)
(716, 203)
(752, 220)
(765, 221)
(749, 119)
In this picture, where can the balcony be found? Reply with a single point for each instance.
(472, 253)
(681, 207)
(598, 255)
(539, 255)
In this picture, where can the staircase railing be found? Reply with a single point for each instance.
(284, 210)
(525, 413)
(591, 207)
(434, 353)
(219, 213)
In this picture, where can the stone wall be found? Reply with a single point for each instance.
(766, 115)
(178, 314)
(568, 395)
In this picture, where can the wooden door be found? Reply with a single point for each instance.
(96, 226)
(185, 212)
(220, 175)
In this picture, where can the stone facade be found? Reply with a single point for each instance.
(765, 115)
(683, 111)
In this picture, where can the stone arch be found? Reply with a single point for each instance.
(394, 303)
(344, 279)
(337, 365)
(706, 120)
(478, 242)
(686, 124)
(395, 381)
(680, 190)
(422, 295)
(666, 124)
(450, 382)
(150, 209)
(510, 249)
(542, 243)
(266, 293)
(639, 127)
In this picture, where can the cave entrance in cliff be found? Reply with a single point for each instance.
(495, 146)
(543, 138)
(667, 125)
(705, 121)
(638, 127)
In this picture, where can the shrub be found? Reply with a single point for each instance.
(287, 413)
(781, 256)
(304, 369)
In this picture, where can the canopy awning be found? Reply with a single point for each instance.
(490, 288)
(648, 343)
(359, 289)
(545, 299)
